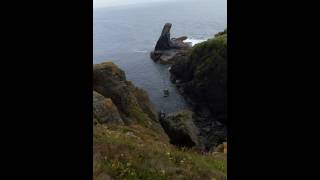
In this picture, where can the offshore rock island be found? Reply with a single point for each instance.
(167, 49)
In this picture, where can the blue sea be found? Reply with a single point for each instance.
(126, 34)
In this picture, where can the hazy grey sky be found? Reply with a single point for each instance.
(105, 3)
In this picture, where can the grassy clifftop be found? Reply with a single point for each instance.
(136, 152)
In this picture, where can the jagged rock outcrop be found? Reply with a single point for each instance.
(168, 50)
(104, 111)
(133, 103)
(181, 130)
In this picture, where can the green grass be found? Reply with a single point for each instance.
(146, 155)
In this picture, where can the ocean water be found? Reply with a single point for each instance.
(126, 34)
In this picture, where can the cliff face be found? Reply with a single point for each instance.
(133, 103)
(128, 140)
(202, 77)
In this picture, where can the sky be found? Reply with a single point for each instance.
(108, 3)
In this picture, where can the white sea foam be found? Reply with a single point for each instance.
(194, 41)
(140, 51)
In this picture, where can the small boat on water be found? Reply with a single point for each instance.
(165, 93)
(162, 115)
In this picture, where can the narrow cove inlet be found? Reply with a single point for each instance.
(126, 35)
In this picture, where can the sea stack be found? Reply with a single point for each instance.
(164, 42)
(167, 49)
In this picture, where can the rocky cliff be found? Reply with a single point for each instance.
(201, 77)
(129, 142)
(132, 103)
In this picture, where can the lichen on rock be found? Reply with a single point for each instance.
(104, 110)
